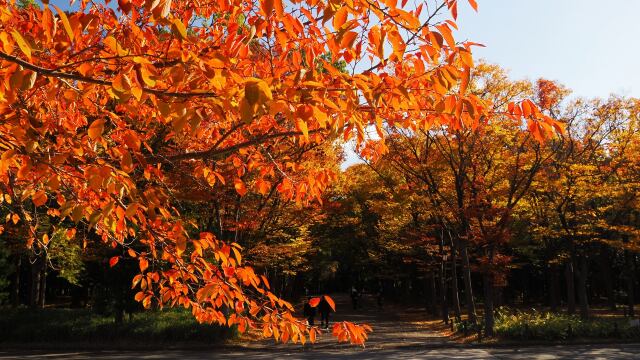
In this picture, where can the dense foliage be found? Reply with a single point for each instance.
(173, 153)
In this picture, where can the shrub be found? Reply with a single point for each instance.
(514, 324)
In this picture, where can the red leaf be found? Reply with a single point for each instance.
(314, 302)
(113, 261)
(144, 264)
(330, 301)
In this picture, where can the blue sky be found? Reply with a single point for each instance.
(590, 46)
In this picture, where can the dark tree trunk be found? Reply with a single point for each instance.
(488, 304)
(15, 290)
(554, 288)
(35, 283)
(443, 293)
(454, 282)
(443, 283)
(583, 299)
(119, 315)
(43, 285)
(433, 303)
(468, 289)
(571, 291)
(607, 280)
(630, 278)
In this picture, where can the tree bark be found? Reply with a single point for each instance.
(15, 290)
(443, 284)
(553, 288)
(43, 285)
(488, 304)
(607, 278)
(35, 283)
(454, 282)
(433, 303)
(630, 280)
(468, 289)
(571, 291)
(583, 299)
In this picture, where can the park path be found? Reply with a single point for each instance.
(394, 326)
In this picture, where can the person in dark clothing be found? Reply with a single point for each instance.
(309, 312)
(355, 295)
(324, 309)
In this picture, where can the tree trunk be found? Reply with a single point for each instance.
(606, 279)
(488, 304)
(433, 304)
(583, 299)
(35, 283)
(454, 282)
(554, 295)
(443, 293)
(15, 290)
(571, 292)
(43, 285)
(468, 289)
(630, 280)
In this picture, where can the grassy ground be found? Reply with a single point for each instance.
(526, 324)
(57, 326)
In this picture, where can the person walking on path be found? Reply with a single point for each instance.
(379, 295)
(309, 312)
(324, 309)
(355, 295)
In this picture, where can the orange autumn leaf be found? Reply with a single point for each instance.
(330, 301)
(314, 301)
(113, 261)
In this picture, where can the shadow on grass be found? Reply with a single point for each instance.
(59, 326)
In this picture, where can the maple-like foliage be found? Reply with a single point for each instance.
(105, 106)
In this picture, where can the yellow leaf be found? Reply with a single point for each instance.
(136, 90)
(77, 214)
(178, 28)
(26, 49)
(114, 47)
(121, 83)
(65, 22)
(302, 126)
(246, 111)
(236, 252)
(146, 76)
(257, 91)
(95, 129)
